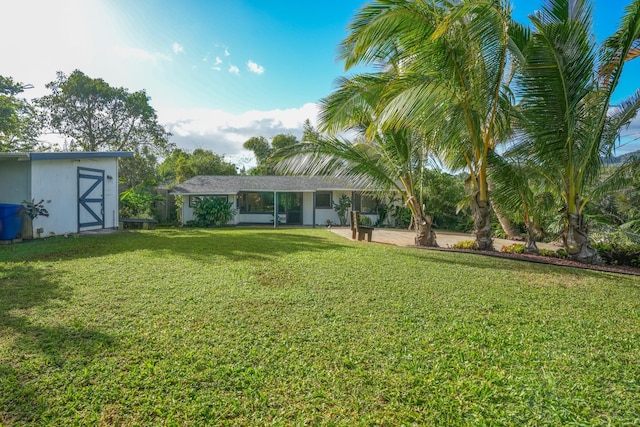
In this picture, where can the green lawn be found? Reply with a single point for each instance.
(240, 326)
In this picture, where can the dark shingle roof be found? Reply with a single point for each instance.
(205, 184)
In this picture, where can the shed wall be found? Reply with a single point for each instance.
(55, 181)
(14, 181)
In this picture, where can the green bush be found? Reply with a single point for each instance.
(619, 254)
(364, 220)
(401, 217)
(138, 203)
(465, 244)
(213, 211)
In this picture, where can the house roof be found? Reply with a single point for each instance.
(66, 155)
(206, 184)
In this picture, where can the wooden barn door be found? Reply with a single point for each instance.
(90, 199)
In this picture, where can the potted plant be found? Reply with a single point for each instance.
(31, 210)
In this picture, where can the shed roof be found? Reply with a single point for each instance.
(207, 184)
(64, 155)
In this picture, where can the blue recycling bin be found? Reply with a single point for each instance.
(10, 221)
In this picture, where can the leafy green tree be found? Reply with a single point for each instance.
(569, 122)
(443, 193)
(94, 116)
(309, 133)
(181, 165)
(264, 151)
(19, 123)
(260, 147)
(453, 66)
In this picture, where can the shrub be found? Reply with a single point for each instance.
(342, 207)
(213, 211)
(516, 248)
(138, 203)
(364, 220)
(465, 244)
(401, 217)
(619, 254)
(548, 252)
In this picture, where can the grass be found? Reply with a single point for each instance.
(281, 327)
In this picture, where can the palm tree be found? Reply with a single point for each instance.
(455, 61)
(379, 159)
(521, 190)
(569, 123)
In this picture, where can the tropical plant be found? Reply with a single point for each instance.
(454, 63)
(33, 210)
(520, 189)
(342, 207)
(568, 120)
(390, 160)
(213, 211)
(138, 202)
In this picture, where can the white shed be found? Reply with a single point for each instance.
(79, 189)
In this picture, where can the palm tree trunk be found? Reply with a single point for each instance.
(531, 247)
(481, 222)
(507, 226)
(425, 236)
(576, 241)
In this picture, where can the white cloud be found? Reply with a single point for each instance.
(218, 60)
(216, 68)
(234, 70)
(139, 54)
(177, 48)
(224, 133)
(255, 68)
(226, 51)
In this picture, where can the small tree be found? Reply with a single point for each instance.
(342, 207)
(213, 211)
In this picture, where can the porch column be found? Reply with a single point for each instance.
(313, 207)
(275, 209)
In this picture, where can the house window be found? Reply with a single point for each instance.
(194, 199)
(364, 204)
(255, 202)
(323, 200)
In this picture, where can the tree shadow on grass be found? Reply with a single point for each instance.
(33, 349)
(231, 243)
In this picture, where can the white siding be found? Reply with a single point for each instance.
(55, 181)
(322, 215)
(307, 208)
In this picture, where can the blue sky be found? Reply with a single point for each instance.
(217, 71)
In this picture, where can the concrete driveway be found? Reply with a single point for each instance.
(445, 239)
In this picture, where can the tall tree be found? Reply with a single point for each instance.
(19, 123)
(94, 116)
(264, 151)
(454, 62)
(569, 122)
(181, 165)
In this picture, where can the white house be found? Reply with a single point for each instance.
(295, 200)
(79, 189)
